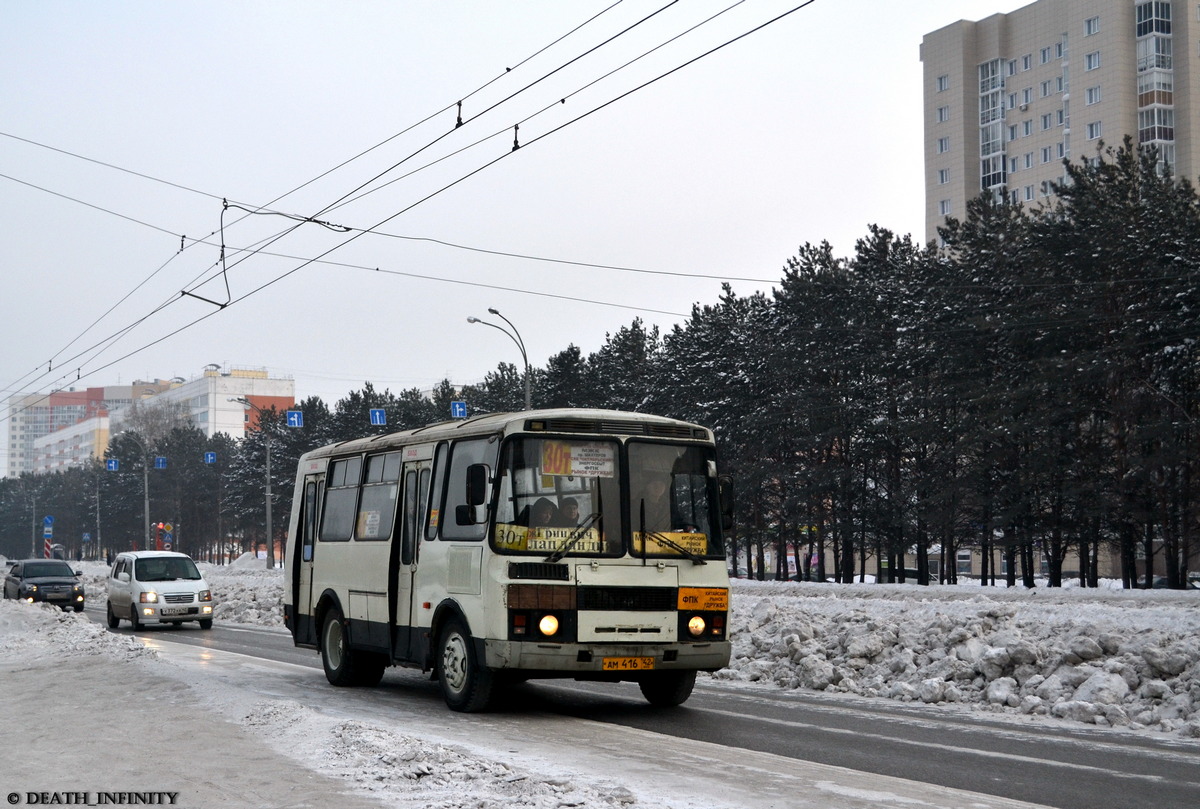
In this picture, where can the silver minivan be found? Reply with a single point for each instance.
(158, 586)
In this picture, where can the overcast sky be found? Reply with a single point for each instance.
(808, 130)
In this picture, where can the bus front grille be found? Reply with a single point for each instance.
(634, 599)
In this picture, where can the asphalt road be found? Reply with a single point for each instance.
(1046, 762)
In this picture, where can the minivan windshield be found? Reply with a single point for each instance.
(165, 568)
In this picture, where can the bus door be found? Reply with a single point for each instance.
(414, 487)
(306, 631)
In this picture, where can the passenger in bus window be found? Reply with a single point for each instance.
(655, 503)
(542, 514)
(568, 513)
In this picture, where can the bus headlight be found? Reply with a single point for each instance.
(696, 626)
(548, 625)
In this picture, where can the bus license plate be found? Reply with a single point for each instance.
(627, 663)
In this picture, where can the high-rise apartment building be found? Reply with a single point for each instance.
(1009, 97)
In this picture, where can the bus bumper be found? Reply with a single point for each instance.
(589, 658)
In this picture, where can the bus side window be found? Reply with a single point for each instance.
(436, 503)
(411, 514)
(309, 528)
(466, 454)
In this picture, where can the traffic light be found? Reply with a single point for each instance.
(158, 537)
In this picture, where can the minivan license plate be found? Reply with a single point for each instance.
(175, 611)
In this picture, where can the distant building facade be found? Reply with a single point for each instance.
(1007, 98)
(52, 432)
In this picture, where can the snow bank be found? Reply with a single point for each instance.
(1105, 657)
(1116, 658)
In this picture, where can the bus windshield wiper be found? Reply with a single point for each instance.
(670, 543)
(573, 540)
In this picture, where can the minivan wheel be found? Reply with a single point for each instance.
(206, 623)
(133, 618)
(113, 620)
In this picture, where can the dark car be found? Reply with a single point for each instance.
(49, 580)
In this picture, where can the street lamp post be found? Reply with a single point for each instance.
(267, 444)
(515, 336)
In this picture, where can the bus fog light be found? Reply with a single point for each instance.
(696, 626)
(548, 625)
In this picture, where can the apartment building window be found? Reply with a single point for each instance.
(1058, 84)
(1062, 150)
(1012, 101)
(1012, 67)
(1027, 127)
(1060, 116)
(1045, 55)
(1027, 95)
(1029, 160)
(1047, 121)
(1012, 165)
(1154, 18)
(1154, 52)
(1046, 158)
(1091, 26)
(1058, 49)
(1091, 61)
(1012, 132)
(1027, 61)
(943, 145)
(943, 176)
(943, 114)
(944, 207)
(1028, 193)
(1155, 87)
(1156, 123)
(1093, 130)
(1046, 88)
(1013, 197)
(1092, 95)
(943, 83)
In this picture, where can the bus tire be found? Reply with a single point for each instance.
(666, 689)
(337, 657)
(466, 684)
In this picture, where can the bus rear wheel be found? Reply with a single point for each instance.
(666, 689)
(345, 666)
(466, 684)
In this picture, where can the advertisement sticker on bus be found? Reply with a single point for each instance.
(693, 543)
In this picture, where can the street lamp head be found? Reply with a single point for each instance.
(493, 311)
(473, 320)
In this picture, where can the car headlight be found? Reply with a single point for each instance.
(148, 598)
(206, 595)
(29, 588)
(78, 588)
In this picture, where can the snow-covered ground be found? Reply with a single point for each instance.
(1105, 657)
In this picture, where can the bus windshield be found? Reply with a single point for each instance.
(673, 495)
(559, 496)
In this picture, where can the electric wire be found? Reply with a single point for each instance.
(454, 183)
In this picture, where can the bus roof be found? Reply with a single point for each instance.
(555, 420)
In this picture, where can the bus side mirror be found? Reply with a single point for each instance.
(475, 510)
(725, 490)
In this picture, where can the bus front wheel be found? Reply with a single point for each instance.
(466, 684)
(666, 689)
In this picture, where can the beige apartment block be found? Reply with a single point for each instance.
(1009, 97)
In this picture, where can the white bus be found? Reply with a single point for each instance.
(555, 543)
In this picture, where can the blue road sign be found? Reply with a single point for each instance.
(210, 457)
(160, 462)
(48, 520)
(87, 537)
(47, 527)
(458, 410)
(378, 416)
(295, 418)
(112, 464)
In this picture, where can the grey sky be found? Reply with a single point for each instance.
(808, 130)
